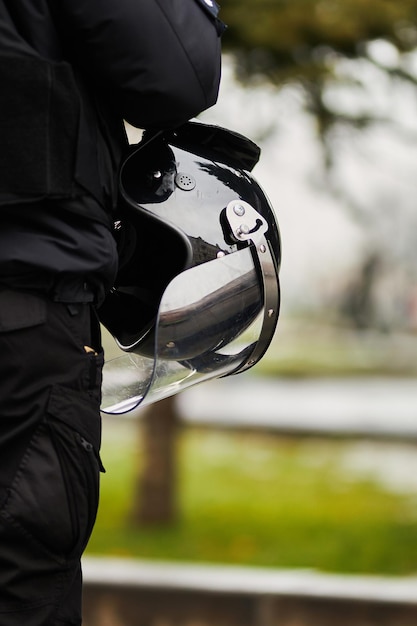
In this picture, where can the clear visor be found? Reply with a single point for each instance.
(209, 320)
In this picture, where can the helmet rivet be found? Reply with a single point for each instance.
(242, 230)
(220, 254)
(271, 312)
(157, 174)
(262, 248)
(170, 344)
(238, 209)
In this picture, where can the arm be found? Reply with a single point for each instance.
(157, 61)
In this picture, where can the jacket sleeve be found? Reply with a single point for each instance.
(157, 61)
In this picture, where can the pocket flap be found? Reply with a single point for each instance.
(20, 310)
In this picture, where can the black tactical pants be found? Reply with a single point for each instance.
(50, 377)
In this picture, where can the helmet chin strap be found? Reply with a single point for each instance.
(247, 225)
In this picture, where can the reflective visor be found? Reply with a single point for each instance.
(209, 321)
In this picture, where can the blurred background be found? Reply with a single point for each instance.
(308, 460)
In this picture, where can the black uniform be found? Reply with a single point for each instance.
(70, 72)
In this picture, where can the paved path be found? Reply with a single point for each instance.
(377, 407)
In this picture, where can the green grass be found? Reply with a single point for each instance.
(259, 500)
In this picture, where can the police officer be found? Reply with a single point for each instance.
(70, 73)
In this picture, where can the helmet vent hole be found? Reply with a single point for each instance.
(185, 181)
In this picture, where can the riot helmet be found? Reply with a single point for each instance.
(197, 291)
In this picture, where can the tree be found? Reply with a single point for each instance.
(155, 501)
(331, 50)
(303, 42)
(300, 39)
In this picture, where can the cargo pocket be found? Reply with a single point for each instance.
(80, 475)
(74, 423)
(53, 497)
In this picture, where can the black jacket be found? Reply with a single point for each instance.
(72, 70)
